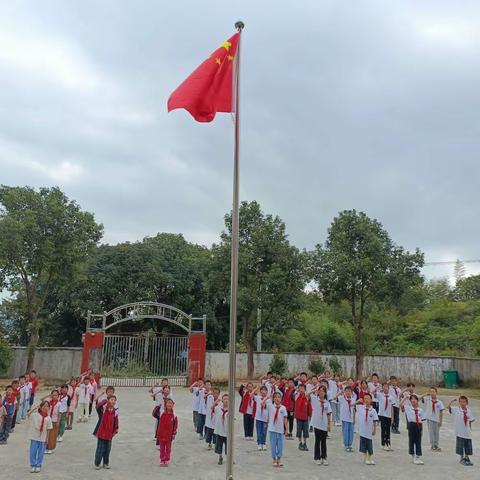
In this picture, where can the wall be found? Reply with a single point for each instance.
(424, 370)
(50, 363)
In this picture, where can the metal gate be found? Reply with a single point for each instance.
(134, 358)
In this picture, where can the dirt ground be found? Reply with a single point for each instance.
(134, 455)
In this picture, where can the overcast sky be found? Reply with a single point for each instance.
(372, 105)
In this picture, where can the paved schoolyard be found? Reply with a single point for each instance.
(134, 456)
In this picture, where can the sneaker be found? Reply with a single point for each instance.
(468, 462)
(418, 461)
(209, 446)
(38, 469)
(220, 461)
(300, 446)
(264, 448)
(97, 467)
(367, 462)
(59, 439)
(48, 452)
(372, 462)
(107, 466)
(33, 470)
(318, 462)
(338, 424)
(260, 448)
(200, 436)
(325, 461)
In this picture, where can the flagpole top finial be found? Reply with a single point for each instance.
(239, 25)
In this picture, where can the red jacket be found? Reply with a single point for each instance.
(302, 407)
(288, 400)
(247, 399)
(107, 425)
(167, 427)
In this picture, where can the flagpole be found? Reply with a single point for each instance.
(234, 266)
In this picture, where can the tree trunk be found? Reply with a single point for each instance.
(33, 342)
(358, 348)
(247, 340)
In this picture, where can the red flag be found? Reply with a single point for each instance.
(209, 89)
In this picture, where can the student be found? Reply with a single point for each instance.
(288, 401)
(103, 395)
(24, 403)
(247, 409)
(64, 403)
(202, 408)
(221, 428)
(261, 417)
(302, 414)
(105, 430)
(166, 431)
(463, 419)
(395, 394)
(34, 384)
(72, 388)
(347, 416)
(82, 397)
(16, 394)
(40, 426)
(277, 426)
(365, 421)
(374, 388)
(93, 393)
(160, 399)
(9, 401)
(434, 413)
(195, 388)
(321, 423)
(385, 413)
(210, 419)
(54, 414)
(415, 416)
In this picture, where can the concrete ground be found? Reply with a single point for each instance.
(134, 456)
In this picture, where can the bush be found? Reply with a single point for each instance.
(6, 356)
(316, 366)
(335, 366)
(278, 365)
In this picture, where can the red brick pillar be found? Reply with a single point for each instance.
(91, 341)
(197, 348)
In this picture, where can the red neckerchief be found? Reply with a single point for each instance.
(465, 417)
(434, 403)
(9, 400)
(262, 404)
(386, 401)
(42, 424)
(63, 396)
(213, 408)
(275, 417)
(224, 412)
(349, 400)
(417, 418)
(322, 403)
(52, 406)
(366, 414)
(395, 389)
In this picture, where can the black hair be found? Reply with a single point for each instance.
(303, 373)
(410, 384)
(110, 388)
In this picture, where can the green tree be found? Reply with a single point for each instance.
(459, 271)
(468, 288)
(271, 275)
(44, 241)
(360, 263)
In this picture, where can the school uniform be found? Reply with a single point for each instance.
(247, 406)
(321, 409)
(33, 390)
(302, 413)
(24, 401)
(288, 401)
(261, 418)
(16, 394)
(83, 393)
(53, 434)
(395, 394)
(462, 420)
(94, 388)
(331, 394)
(195, 402)
(210, 420)
(202, 411)
(64, 403)
(385, 411)
(276, 428)
(347, 412)
(415, 418)
(9, 404)
(432, 414)
(365, 422)
(39, 428)
(166, 431)
(221, 429)
(374, 388)
(105, 430)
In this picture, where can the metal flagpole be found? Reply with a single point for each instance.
(234, 268)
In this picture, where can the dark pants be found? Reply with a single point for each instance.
(7, 428)
(396, 418)
(209, 435)
(385, 424)
(195, 420)
(290, 418)
(103, 452)
(32, 398)
(302, 429)
(201, 423)
(14, 419)
(375, 406)
(320, 451)
(248, 422)
(90, 405)
(219, 443)
(414, 438)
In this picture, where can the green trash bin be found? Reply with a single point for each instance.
(450, 378)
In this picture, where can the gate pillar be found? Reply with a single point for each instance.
(197, 347)
(92, 343)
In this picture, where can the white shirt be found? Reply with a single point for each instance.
(277, 426)
(365, 420)
(332, 390)
(210, 415)
(25, 390)
(318, 420)
(429, 413)
(221, 421)
(202, 405)
(35, 423)
(346, 411)
(83, 393)
(309, 387)
(382, 403)
(374, 389)
(261, 414)
(407, 395)
(63, 401)
(196, 398)
(462, 430)
(410, 413)
(395, 394)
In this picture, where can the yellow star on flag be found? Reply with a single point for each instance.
(226, 45)
(218, 60)
(229, 58)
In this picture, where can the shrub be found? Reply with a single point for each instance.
(278, 365)
(316, 366)
(6, 356)
(335, 366)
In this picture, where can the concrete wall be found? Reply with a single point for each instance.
(50, 363)
(424, 370)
